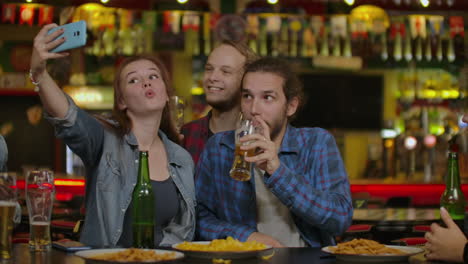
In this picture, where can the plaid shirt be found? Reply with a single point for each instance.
(311, 181)
(196, 133)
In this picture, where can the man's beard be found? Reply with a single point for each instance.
(275, 131)
(226, 104)
(277, 126)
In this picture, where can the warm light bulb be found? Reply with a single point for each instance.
(410, 142)
(182, 1)
(424, 3)
(104, 1)
(272, 2)
(430, 141)
(349, 2)
(29, 1)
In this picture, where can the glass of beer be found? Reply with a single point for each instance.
(240, 168)
(8, 196)
(178, 107)
(40, 191)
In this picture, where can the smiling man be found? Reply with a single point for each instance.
(221, 83)
(299, 195)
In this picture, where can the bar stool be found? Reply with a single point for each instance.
(410, 241)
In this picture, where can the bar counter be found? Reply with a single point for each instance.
(422, 194)
(22, 255)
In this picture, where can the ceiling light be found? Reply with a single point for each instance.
(349, 2)
(182, 1)
(272, 2)
(424, 3)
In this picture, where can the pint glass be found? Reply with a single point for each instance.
(7, 212)
(240, 168)
(40, 193)
(178, 107)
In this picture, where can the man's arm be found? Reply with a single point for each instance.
(209, 224)
(321, 198)
(209, 227)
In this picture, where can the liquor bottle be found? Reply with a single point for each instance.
(450, 50)
(418, 48)
(347, 46)
(397, 50)
(384, 52)
(407, 48)
(143, 207)
(453, 199)
(324, 48)
(428, 52)
(206, 34)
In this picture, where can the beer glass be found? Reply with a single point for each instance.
(40, 191)
(240, 168)
(7, 212)
(178, 107)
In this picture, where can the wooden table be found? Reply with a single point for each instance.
(22, 255)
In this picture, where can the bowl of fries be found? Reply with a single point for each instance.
(228, 248)
(365, 250)
(130, 255)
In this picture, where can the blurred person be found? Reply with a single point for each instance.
(4, 192)
(3, 154)
(110, 148)
(299, 193)
(446, 243)
(221, 83)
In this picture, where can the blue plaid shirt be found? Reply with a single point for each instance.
(311, 181)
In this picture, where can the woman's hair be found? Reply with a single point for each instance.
(124, 126)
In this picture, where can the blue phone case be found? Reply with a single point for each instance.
(75, 36)
(69, 245)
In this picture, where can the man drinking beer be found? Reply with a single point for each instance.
(298, 194)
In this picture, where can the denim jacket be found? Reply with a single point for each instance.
(3, 154)
(112, 166)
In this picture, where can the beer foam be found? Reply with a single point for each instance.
(40, 223)
(7, 203)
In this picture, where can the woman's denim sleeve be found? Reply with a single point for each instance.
(81, 132)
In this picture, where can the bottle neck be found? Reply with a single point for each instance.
(143, 169)
(452, 181)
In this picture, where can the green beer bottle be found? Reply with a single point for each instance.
(453, 198)
(143, 207)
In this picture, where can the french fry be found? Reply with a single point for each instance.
(134, 255)
(228, 244)
(364, 247)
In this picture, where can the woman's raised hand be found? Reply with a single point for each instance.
(43, 43)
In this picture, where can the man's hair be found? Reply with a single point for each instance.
(243, 49)
(292, 86)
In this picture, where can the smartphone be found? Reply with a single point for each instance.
(69, 245)
(75, 36)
